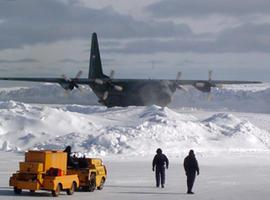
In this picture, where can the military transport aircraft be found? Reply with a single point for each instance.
(125, 92)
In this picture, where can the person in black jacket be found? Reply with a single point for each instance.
(159, 162)
(191, 167)
(70, 161)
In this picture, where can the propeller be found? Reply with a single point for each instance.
(210, 73)
(69, 83)
(116, 87)
(103, 81)
(109, 85)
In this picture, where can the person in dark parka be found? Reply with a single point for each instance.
(191, 167)
(70, 162)
(159, 162)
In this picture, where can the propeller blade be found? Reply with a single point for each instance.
(65, 77)
(82, 89)
(178, 76)
(210, 75)
(99, 81)
(111, 74)
(78, 74)
(182, 87)
(76, 85)
(118, 88)
(105, 95)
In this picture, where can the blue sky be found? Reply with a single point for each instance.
(138, 39)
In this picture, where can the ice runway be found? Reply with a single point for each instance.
(245, 176)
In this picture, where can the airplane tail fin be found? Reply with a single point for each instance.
(95, 67)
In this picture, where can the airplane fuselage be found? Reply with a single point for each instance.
(137, 93)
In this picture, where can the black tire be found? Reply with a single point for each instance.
(17, 190)
(100, 187)
(55, 193)
(72, 189)
(32, 191)
(91, 183)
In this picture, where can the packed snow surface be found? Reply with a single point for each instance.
(221, 178)
(97, 130)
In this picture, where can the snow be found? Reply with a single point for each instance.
(230, 135)
(238, 177)
(99, 131)
(136, 131)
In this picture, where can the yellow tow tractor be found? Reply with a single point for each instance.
(44, 170)
(91, 172)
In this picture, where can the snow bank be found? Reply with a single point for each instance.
(97, 130)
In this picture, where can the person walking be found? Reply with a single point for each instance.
(191, 167)
(70, 161)
(158, 165)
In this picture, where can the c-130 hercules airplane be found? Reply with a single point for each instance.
(126, 92)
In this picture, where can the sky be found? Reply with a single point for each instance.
(138, 39)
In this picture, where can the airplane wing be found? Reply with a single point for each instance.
(69, 84)
(188, 82)
(216, 82)
(66, 83)
(206, 85)
(86, 81)
(49, 80)
(202, 85)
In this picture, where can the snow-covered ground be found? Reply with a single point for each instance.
(99, 131)
(238, 177)
(137, 131)
(230, 135)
